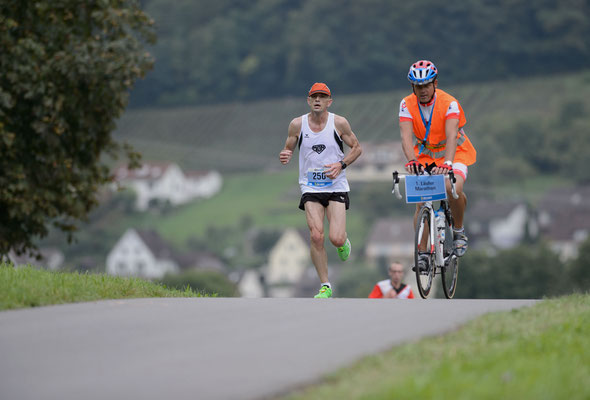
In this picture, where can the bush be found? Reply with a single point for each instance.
(202, 281)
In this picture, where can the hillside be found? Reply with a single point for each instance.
(248, 136)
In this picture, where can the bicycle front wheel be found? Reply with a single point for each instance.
(424, 276)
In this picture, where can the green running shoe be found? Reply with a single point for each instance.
(325, 293)
(344, 251)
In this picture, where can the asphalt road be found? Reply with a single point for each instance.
(207, 348)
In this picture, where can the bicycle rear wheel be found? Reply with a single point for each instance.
(424, 278)
(450, 270)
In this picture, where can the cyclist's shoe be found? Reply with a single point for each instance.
(325, 293)
(422, 263)
(344, 251)
(460, 243)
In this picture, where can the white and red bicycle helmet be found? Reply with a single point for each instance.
(422, 72)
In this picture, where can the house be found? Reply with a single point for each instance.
(166, 182)
(391, 239)
(564, 219)
(377, 163)
(143, 254)
(498, 224)
(251, 284)
(49, 258)
(287, 262)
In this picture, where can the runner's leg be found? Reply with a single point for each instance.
(337, 219)
(314, 213)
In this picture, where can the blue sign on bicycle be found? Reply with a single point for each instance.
(421, 188)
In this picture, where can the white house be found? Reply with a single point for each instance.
(166, 182)
(391, 239)
(287, 263)
(50, 258)
(141, 253)
(498, 224)
(377, 163)
(564, 219)
(250, 284)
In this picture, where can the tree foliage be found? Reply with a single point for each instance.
(524, 272)
(65, 74)
(229, 49)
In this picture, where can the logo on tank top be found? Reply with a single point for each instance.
(318, 148)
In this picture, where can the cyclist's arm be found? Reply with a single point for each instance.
(407, 134)
(451, 130)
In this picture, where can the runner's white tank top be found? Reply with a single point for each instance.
(317, 150)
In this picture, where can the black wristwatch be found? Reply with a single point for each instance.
(343, 164)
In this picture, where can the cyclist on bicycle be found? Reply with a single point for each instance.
(431, 123)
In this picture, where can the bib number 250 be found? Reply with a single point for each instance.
(317, 177)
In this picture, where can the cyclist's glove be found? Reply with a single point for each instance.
(448, 168)
(415, 166)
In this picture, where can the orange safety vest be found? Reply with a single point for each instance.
(434, 149)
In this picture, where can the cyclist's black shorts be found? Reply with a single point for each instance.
(324, 198)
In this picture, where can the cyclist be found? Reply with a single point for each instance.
(392, 288)
(320, 136)
(431, 123)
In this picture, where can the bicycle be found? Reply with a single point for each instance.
(438, 256)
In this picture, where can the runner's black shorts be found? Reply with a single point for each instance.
(324, 198)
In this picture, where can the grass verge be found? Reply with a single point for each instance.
(31, 287)
(538, 352)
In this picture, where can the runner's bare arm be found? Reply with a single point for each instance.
(292, 138)
(348, 137)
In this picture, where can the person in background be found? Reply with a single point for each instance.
(392, 288)
(320, 136)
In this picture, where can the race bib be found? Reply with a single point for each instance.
(316, 177)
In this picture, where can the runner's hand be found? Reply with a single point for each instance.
(285, 156)
(333, 170)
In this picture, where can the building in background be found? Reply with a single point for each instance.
(144, 254)
(166, 182)
(391, 239)
(379, 160)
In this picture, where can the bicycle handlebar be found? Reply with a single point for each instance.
(397, 177)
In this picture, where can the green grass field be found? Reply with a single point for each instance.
(539, 352)
(31, 287)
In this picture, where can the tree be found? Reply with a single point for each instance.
(580, 268)
(65, 74)
(523, 272)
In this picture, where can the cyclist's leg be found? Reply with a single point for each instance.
(314, 213)
(458, 205)
(426, 230)
(458, 210)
